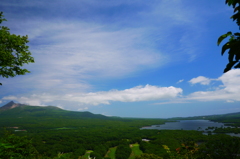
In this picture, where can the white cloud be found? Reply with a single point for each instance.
(60, 107)
(230, 101)
(200, 79)
(231, 81)
(84, 108)
(25, 100)
(180, 81)
(229, 91)
(135, 94)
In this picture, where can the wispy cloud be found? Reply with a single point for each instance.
(180, 81)
(67, 55)
(70, 51)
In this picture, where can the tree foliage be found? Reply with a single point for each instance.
(233, 44)
(14, 52)
(58, 136)
(148, 156)
(123, 151)
(12, 146)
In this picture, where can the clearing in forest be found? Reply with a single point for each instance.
(111, 153)
(135, 151)
(86, 156)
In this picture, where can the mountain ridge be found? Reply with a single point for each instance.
(17, 109)
(10, 105)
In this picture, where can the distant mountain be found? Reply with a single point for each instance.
(10, 105)
(21, 110)
(219, 117)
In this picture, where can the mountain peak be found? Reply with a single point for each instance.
(10, 105)
(20, 110)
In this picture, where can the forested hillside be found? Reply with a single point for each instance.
(50, 132)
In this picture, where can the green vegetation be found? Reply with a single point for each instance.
(135, 151)
(227, 130)
(148, 156)
(123, 150)
(52, 133)
(12, 146)
(64, 128)
(233, 44)
(111, 153)
(231, 119)
(87, 154)
(55, 132)
(14, 52)
(30, 132)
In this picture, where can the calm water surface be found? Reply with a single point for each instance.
(186, 125)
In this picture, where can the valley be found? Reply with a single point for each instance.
(50, 132)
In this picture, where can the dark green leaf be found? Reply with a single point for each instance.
(235, 16)
(237, 66)
(237, 8)
(221, 38)
(230, 57)
(225, 47)
(237, 34)
(229, 66)
(237, 57)
(234, 3)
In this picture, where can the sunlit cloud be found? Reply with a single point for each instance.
(84, 108)
(229, 91)
(135, 94)
(200, 79)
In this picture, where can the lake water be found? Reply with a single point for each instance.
(200, 125)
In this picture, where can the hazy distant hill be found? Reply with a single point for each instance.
(210, 117)
(20, 110)
(225, 118)
(12, 109)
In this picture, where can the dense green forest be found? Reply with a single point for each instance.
(50, 132)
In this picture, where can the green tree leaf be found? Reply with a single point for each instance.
(221, 38)
(225, 47)
(14, 52)
(233, 43)
(229, 66)
(237, 66)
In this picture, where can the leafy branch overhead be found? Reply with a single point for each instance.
(233, 44)
(14, 52)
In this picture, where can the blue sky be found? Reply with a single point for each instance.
(153, 59)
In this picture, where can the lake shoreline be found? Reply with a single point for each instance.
(207, 127)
